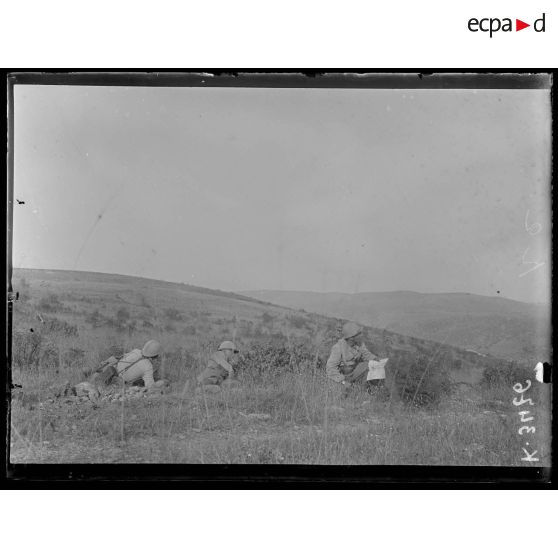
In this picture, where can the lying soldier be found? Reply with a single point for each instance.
(219, 371)
(348, 362)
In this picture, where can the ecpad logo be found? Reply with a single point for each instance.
(494, 24)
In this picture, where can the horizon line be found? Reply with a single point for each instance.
(302, 291)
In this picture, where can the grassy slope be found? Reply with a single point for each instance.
(502, 327)
(304, 420)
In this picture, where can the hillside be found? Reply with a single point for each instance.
(87, 316)
(284, 411)
(490, 325)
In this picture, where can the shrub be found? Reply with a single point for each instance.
(112, 322)
(277, 359)
(502, 375)
(49, 303)
(54, 325)
(26, 348)
(173, 314)
(122, 315)
(267, 319)
(73, 357)
(298, 321)
(49, 357)
(422, 381)
(95, 318)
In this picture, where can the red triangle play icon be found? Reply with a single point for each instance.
(519, 25)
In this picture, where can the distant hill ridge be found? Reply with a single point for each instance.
(499, 326)
(117, 277)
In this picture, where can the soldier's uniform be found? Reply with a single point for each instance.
(219, 369)
(133, 367)
(346, 363)
(139, 364)
(216, 371)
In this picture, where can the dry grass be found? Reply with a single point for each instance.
(286, 412)
(272, 419)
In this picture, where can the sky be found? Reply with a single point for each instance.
(296, 189)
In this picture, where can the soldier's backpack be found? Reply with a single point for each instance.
(107, 370)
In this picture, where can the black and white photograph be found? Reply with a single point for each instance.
(291, 270)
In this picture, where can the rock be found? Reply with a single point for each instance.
(87, 390)
(65, 390)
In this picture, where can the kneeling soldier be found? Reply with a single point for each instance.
(139, 365)
(219, 370)
(348, 362)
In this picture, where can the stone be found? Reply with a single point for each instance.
(65, 390)
(87, 390)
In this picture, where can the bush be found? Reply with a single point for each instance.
(173, 314)
(122, 315)
(49, 357)
(267, 319)
(26, 349)
(277, 359)
(298, 321)
(502, 375)
(422, 381)
(49, 303)
(95, 318)
(73, 357)
(54, 325)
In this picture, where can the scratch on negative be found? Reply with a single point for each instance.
(92, 229)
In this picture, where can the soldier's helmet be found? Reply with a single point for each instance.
(228, 345)
(350, 329)
(151, 349)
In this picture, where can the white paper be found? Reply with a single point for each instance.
(376, 369)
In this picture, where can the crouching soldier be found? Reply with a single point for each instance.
(219, 371)
(141, 365)
(135, 367)
(348, 362)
